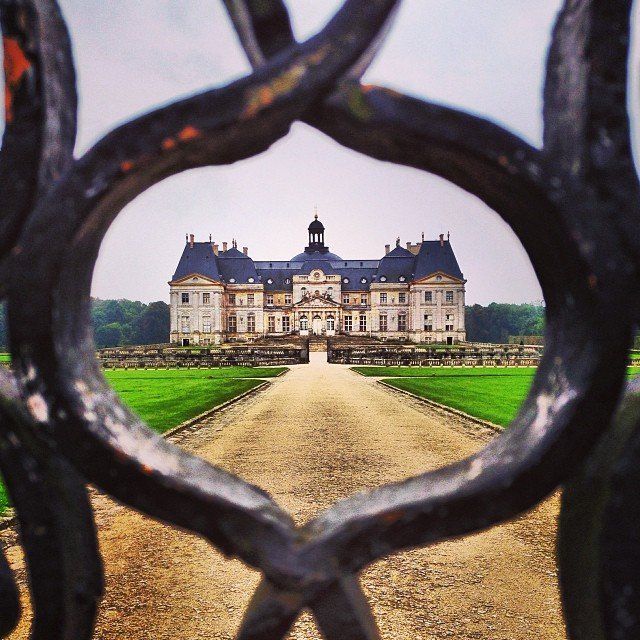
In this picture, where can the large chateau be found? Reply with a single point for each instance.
(220, 294)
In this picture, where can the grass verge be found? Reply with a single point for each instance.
(166, 398)
(484, 392)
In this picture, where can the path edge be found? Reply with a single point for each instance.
(9, 519)
(456, 412)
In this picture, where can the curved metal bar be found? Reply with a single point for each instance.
(40, 99)
(9, 599)
(587, 137)
(56, 527)
(538, 452)
(63, 385)
(568, 203)
(598, 542)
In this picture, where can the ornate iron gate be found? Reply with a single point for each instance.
(573, 204)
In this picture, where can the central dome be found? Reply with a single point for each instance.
(316, 255)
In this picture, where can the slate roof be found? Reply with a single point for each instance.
(397, 266)
(352, 278)
(434, 257)
(278, 278)
(233, 265)
(198, 258)
(315, 255)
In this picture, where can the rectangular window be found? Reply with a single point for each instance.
(363, 298)
(184, 325)
(185, 298)
(271, 324)
(206, 324)
(348, 323)
(449, 297)
(428, 323)
(428, 296)
(402, 322)
(383, 322)
(206, 298)
(286, 324)
(345, 299)
(363, 323)
(232, 324)
(383, 298)
(232, 298)
(402, 298)
(448, 327)
(251, 323)
(251, 299)
(288, 298)
(270, 299)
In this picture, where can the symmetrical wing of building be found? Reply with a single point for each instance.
(221, 294)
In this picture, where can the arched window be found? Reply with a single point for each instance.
(303, 292)
(330, 292)
(304, 323)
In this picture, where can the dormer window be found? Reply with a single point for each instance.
(383, 278)
(402, 278)
(345, 280)
(232, 280)
(251, 280)
(363, 280)
(269, 280)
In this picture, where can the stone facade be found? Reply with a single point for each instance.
(220, 294)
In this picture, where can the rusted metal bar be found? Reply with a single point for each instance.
(571, 203)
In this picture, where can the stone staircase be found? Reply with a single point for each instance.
(317, 343)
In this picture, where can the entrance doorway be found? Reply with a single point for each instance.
(185, 342)
(449, 340)
(316, 326)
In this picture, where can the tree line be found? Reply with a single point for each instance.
(125, 322)
(497, 321)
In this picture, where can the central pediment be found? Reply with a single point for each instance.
(317, 302)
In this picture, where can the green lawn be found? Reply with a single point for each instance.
(165, 398)
(484, 392)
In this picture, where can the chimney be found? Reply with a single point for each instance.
(387, 248)
(409, 246)
(209, 237)
(186, 237)
(245, 250)
(224, 246)
(423, 236)
(191, 239)
(215, 249)
(442, 239)
(398, 241)
(448, 235)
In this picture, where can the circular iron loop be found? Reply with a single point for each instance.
(53, 513)
(526, 188)
(63, 386)
(568, 216)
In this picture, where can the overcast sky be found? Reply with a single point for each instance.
(485, 57)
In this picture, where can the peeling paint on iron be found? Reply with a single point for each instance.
(37, 407)
(16, 65)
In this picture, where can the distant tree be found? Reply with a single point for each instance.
(497, 321)
(109, 335)
(152, 326)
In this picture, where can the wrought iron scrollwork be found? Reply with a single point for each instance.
(573, 204)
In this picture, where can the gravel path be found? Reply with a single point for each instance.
(318, 434)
